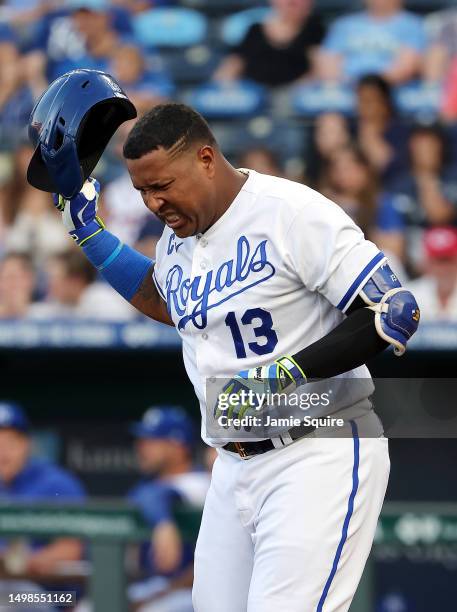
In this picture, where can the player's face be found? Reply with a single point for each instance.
(154, 455)
(14, 451)
(179, 190)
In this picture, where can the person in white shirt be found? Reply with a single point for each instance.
(75, 294)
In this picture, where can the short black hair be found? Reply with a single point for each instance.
(381, 84)
(164, 126)
(434, 130)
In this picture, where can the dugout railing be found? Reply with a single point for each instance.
(109, 526)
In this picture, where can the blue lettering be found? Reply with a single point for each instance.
(221, 282)
(173, 283)
(203, 292)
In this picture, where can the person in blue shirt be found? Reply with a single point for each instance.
(79, 34)
(384, 39)
(164, 439)
(142, 77)
(26, 479)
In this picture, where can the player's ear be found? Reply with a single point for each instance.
(206, 156)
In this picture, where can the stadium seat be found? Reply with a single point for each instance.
(312, 99)
(284, 138)
(235, 27)
(228, 100)
(193, 65)
(170, 27)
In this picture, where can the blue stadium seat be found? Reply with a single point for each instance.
(285, 138)
(427, 6)
(418, 100)
(193, 65)
(170, 27)
(312, 99)
(235, 27)
(228, 100)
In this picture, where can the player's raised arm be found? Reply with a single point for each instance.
(126, 270)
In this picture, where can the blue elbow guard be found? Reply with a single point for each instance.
(396, 311)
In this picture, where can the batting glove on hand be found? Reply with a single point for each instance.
(251, 390)
(79, 214)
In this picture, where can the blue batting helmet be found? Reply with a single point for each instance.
(167, 422)
(70, 127)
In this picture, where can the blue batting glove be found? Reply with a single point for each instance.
(282, 376)
(79, 215)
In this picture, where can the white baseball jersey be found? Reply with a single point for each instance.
(274, 274)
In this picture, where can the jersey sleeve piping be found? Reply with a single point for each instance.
(355, 287)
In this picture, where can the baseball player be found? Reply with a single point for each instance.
(262, 278)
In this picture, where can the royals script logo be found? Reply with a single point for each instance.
(193, 299)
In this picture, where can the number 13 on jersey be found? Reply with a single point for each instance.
(259, 321)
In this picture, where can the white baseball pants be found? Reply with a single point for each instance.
(290, 530)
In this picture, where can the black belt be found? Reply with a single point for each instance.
(249, 449)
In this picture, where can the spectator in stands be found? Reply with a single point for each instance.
(261, 159)
(16, 103)
(330, 133)
(145, 87)
(442, 47)
(81, 34)
(382, 137)
(278, 51)
(20, 13)
(9, 58)
(31, 221)
(352, 183)
(436, 290)
(164, 441)
(24, 16)
(383, 39)
(441, 60)
(123, 209)
(74, 294)
(26, 479)
(431, 186)
(449, 105)
(17, 282)
(427, 195)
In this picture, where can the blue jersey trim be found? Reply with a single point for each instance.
(367, 269)
(344, 534)
(111, 258)
(154, 277)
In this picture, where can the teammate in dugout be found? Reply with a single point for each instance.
(261, 276)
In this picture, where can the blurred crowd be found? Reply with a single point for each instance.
(393, 171)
